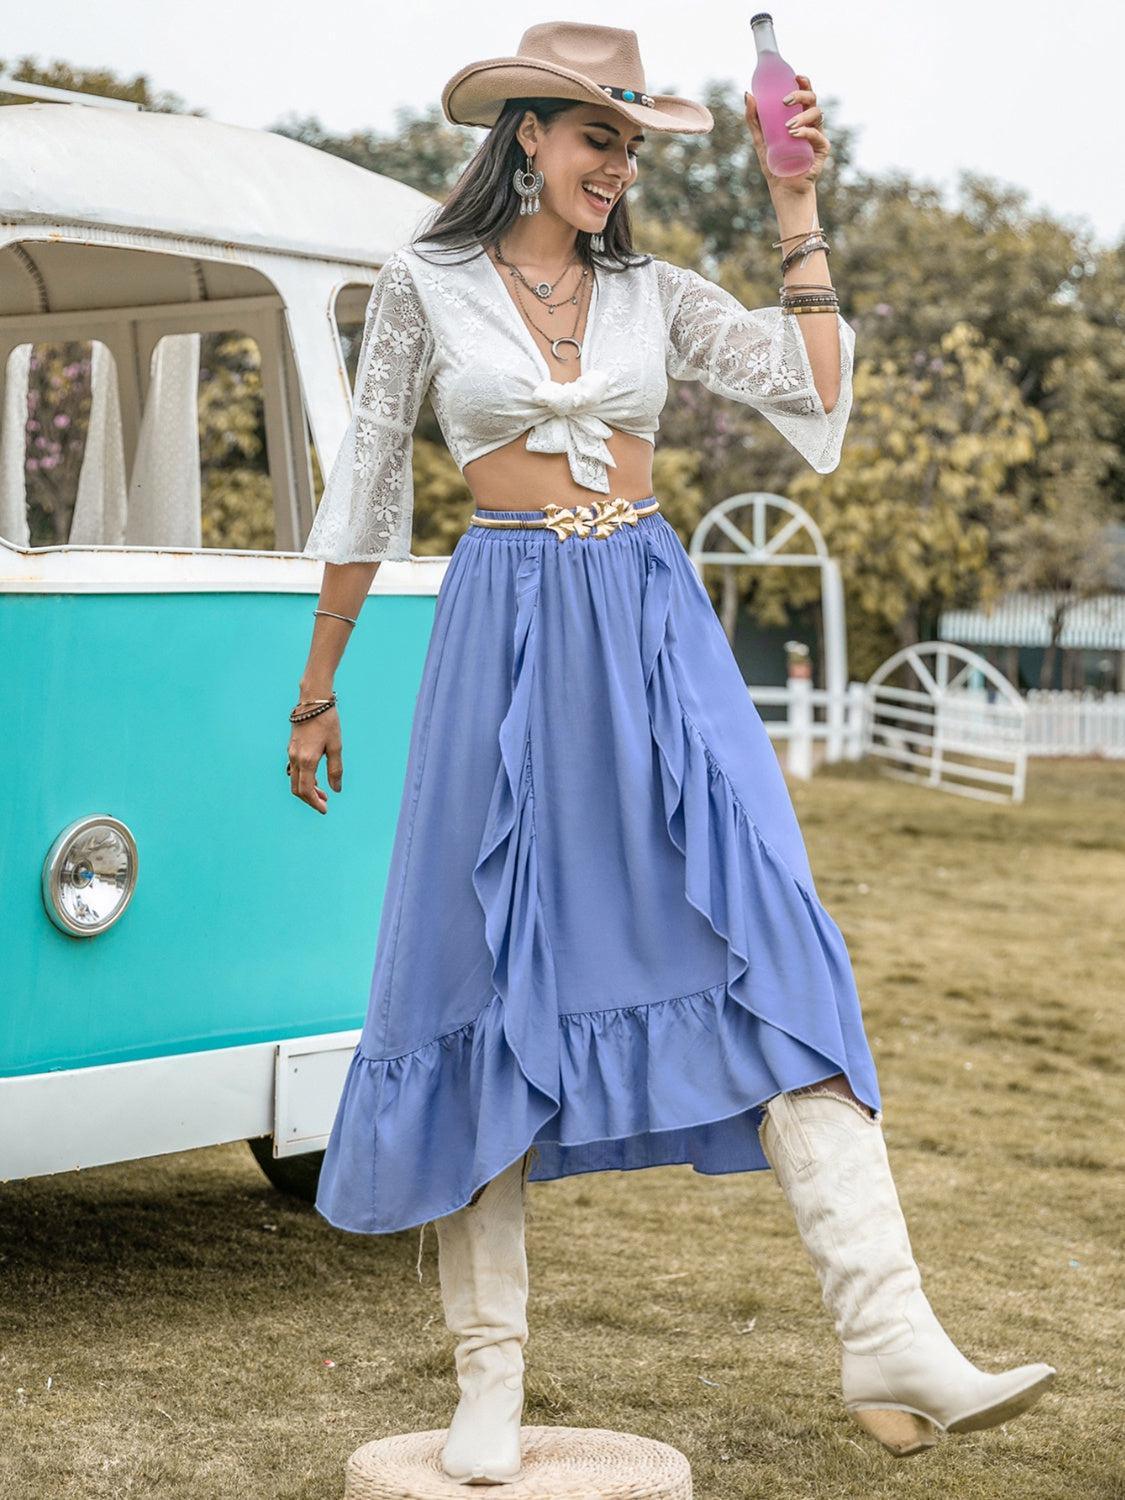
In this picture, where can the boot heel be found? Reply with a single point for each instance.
(903, 1378)
(901, 1432)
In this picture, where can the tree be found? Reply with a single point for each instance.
(100, 81)
(1041, 300)
(988, 422)
(424, 150)
(1062, 550)
(916, 512)
(237, 491)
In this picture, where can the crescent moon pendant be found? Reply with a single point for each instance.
(555, 348)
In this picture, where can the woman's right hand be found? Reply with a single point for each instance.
(308, 741)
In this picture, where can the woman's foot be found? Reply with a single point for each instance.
(904, 1380)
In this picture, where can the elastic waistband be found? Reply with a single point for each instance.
(598, 518)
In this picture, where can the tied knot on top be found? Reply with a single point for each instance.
(572, 397)
(573, 426)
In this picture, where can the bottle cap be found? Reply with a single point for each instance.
(763, 15)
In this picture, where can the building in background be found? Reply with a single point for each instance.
(1088, 649)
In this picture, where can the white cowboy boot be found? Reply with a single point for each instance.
(482, 1266)
(904, 1380)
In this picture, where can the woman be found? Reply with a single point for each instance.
(600, 946)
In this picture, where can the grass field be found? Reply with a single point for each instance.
(175, 1328)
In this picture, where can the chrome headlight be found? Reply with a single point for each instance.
(89, 875)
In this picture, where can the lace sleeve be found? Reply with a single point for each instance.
(757, 357)
(366, 511)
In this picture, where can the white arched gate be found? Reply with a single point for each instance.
(773, 522)
(963, 729)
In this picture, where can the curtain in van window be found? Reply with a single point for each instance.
(161, 504)
(13, 449)
(165, 494)
(99, 507)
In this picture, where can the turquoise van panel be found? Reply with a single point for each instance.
(254, 917)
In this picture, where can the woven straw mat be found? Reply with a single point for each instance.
(559, 1463)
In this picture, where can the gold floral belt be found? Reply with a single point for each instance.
(600, 519)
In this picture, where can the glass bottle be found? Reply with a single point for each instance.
(786, 155)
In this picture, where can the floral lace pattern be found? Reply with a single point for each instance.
(756, 356)
(366, 510)
(495, 384)
(449, 327)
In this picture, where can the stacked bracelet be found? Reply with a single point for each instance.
(801, 297)
(308, 708)
(813, 241)
(312, 706)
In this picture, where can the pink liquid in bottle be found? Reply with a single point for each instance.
(786, 155)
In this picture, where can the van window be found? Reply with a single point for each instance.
(155, 402)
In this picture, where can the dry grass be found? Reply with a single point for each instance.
(167, 1324)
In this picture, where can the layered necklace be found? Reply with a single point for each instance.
(542, 290)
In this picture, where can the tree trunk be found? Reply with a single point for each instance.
(1047, 670)
(1058, 622)
(730, 604)
(906, 633)
(906, 629)
(820, 680)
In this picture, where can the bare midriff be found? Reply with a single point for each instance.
(511, 478)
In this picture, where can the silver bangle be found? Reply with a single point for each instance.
(334, 615)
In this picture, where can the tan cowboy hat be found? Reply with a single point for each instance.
(570, 60)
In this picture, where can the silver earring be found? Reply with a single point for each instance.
(597, 241)
(527, 185)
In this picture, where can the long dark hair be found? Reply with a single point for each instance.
(483, 201)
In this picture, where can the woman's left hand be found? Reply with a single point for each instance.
(804, 126)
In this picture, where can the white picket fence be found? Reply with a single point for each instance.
(1075, 723)
(1057, 723)
(807, 722)
(961, 740)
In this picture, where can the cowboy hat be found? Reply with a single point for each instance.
(570, 60)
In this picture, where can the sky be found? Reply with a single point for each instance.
(931, 89)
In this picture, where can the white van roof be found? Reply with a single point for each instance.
(185, 176)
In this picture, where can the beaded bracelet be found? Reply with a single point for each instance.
(325, 705)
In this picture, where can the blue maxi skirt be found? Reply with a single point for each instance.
(600, 934)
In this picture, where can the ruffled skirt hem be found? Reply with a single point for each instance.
(607, 1057)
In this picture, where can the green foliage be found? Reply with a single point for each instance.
(916, 509)
(237, 490)
(448, 500)
(425, 151)
(230, 401)
(675, 480)
(237, 509)
(986, 438)
(100, 81)
(712, 183)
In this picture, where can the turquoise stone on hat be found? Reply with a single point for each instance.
(615, 92)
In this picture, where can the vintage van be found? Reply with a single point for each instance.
(185, 947)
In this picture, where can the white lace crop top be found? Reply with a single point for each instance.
(452, 329)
